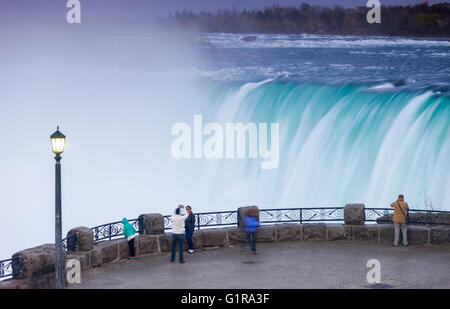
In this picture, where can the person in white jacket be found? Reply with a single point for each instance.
(178, 233)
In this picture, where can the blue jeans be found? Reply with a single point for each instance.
(189, 234)
(180, 239)
(251, 236)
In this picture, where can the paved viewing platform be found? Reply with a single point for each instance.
(297, 249)
(313, 264)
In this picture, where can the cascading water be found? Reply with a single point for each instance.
(342, 144)
(361, 119)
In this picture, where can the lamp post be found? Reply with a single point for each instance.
(58, 140)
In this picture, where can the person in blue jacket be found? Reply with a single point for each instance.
(130, 233)
(251, 224)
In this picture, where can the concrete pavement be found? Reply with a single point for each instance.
(307, 264)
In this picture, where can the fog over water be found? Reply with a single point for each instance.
(361, 120)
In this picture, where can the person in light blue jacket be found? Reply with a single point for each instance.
(130, 233)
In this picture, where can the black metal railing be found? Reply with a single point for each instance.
(6, 268)
(300, 215)
(266, 216)
(70, 242)
(373, 214)
(424, 216)
(415, 216)
(209, 219)
(114, 230)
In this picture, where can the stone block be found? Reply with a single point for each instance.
(289, 232)
(124, 250)
(266, 233)
(84, 238)
(338, 232)
(45, 281)
(35, 262)
(236, 236)
(440, 235)
(314, 231)
(354, 214)
(165, 242)
(386, 233)
(14, 284)
(109, 251)
(365, 232)
(146, 244)
(417, 234)
(82, 257)
(213, 237)
(95, 257)
(152, 224)
(243, 212)
(196, 240)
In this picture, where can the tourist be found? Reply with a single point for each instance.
(189, 226)
(251, 224)
(400, 219)
(130, 233)
(178, 233)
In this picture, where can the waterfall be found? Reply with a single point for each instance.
(338, 144)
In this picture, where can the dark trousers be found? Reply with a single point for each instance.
(131, 247)
(177, 238)
(251, 237)
(189, 234)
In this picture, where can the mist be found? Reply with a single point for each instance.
(114, 89)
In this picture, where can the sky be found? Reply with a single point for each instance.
(119, 14)
(213, 5)
(164, 7)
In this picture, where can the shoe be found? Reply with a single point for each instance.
(253, 252)
(405, 245)
(182, 262)
(171, 261)
(395, 245)
(191, 251)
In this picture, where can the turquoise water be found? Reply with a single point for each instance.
(361, 119)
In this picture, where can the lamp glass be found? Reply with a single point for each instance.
(58, 145)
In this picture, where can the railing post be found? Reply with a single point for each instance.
(219, 218)
(110, 231)
(198, 221)
(301, 216)
(141, 225)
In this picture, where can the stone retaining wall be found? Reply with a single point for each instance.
(35, 267)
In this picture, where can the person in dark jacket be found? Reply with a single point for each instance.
(251, 224)
(189, 226)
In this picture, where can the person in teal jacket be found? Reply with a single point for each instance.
(130, 233)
